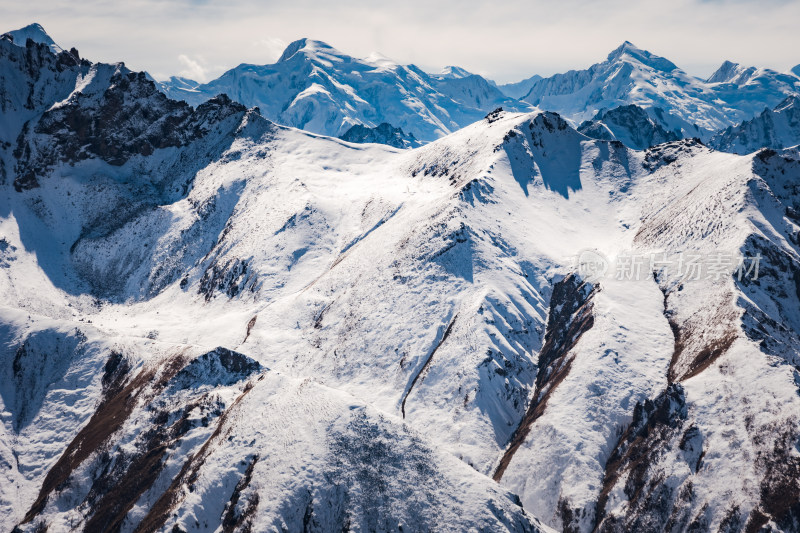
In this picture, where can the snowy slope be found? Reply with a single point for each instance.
(634, 76)
(683, 458)
(773, 128)
(213, 322)
(315, 87)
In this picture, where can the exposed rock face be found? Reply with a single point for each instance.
(652, 502)
(383, 133)
(119, 115)
(569, 318)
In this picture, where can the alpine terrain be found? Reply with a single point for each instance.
(320, 89)
(695, 107)
(210, 321)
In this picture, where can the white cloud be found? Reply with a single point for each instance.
(193, 68)
(273, 47)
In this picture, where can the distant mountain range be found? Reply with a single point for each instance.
(634, 76)
(773, 128)
(315, 87)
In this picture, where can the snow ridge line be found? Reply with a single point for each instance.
(426, 364)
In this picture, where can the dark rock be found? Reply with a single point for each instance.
(383, 133)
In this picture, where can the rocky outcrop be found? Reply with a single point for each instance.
(655, 423)
(629, 124)
(128, 117)
(569, 318)
(383, 133)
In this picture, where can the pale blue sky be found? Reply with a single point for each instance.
(505, 41)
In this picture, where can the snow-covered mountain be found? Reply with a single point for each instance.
(315, 87)
(631, 125)
(383, 133)
(179, 83)
(634, 76)
(773, 128)
(520, 88)
(452, 71)
(36, 33)
(211, 322)
(730, 72)
(105, 430)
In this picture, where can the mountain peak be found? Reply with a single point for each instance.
(308, 47)
(791, 102)
(36, 33)
(628, 50)
(725, 72)
(452, 71)
(796, 71)
(625, 47)
(380, 60)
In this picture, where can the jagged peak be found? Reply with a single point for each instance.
(790, 102)
(36, 33)
(452, 71)
(309, 48)
(796, 71)
(629, 50)
(626, 46)
(725, 72)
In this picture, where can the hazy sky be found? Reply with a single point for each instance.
(506, 41)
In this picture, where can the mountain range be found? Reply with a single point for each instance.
(315, 87)
(211, 321)
(773, 128)
(634, 76)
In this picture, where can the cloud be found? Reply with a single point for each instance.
(507, 42)
(193, 68)
(273, 47)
